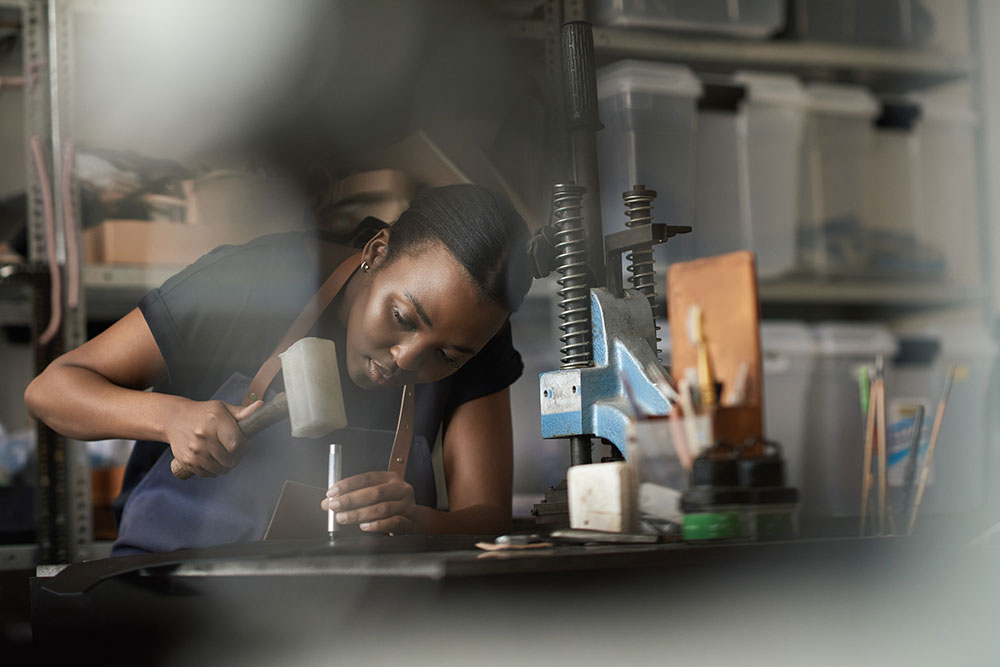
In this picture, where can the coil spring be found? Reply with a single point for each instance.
(571, 263)
(639, 211)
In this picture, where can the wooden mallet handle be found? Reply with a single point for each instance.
(270, 413)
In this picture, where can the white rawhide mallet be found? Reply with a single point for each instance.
(313, 400)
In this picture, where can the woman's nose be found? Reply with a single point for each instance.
(407, 356)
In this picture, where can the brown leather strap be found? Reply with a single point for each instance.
(404, 434)
(301, 326)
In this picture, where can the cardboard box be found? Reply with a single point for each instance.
(159, 242)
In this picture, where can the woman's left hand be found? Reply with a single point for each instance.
(376, 501)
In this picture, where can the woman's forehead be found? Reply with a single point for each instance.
(432, 260)
(444, 296)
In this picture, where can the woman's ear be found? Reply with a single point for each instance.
(375, 251)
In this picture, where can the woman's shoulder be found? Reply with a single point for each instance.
(279, 257)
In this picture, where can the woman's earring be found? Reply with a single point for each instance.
(364, 266)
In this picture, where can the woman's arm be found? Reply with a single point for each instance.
(478, 464)
(96, 391)
(478, 468)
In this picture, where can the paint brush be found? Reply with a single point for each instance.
(866, 470)
(696, 332)
(738, 394)
(690, 427)
(864, 386)
(668, 388)
(662, 381)
(880, 439)
(935, 431)
(681, 447)
(884, 460)
(913, 456)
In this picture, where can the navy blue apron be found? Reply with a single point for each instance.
(163, 513)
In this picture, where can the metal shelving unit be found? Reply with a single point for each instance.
(888, 70)
(24, 288)
(843, 292)
(113, 290)
(868, 293)
(62, 491)
(877, 66)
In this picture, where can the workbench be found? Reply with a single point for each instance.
(438, 600)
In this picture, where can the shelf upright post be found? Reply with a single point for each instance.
(983, 18)
(66, 530)
(37, 123)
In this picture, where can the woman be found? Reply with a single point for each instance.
(427, 304)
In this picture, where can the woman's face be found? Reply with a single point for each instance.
(416, 319)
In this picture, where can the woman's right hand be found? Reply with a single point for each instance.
(204, 436)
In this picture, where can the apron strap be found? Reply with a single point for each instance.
(404, 434)
(300, 327)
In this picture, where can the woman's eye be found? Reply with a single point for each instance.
(403, 322)
(448, 360)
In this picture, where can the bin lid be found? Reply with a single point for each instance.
(942, 110)
(787, 337)
(646, 77)
(777, 89)
(898, 114)
(854, 339)
(841, 99)
(959, 339)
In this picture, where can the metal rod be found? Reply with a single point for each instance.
(580, 450)
(580, 79)
(571, 259)
(333, 476)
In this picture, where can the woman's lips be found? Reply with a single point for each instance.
(377, 374)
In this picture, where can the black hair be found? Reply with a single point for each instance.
(481, 229)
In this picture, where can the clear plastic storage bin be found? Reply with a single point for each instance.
(897, 23)
(648, 111)
(738, 18)
(749, 143)
(834, 173)
(947, 185)
(789, 357)
(834, 450)
(893, 207)
(958, 476)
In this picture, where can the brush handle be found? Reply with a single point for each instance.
(696, 332)
(706, 385)
(913, 457)
(882, 452)
(866, 471)
(935, 431)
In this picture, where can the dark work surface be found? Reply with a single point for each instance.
(15, 616)
(432, 601)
